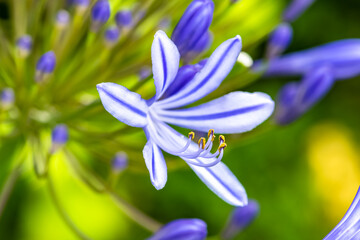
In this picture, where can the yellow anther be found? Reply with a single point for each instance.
(191, 135)
(202, 143)
(211, 134)
(222, 146)
(221, 138)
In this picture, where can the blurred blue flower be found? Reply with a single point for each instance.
(144, 73)
(279, 40)
(296, 98)
(182, 229)
(7, 97)
(295, 9)
(62, 18)
(240, 218)
(191, 34)
(100, 14)
(24, 45)
(120, 161)
(112, 35)
(123, 18)
(45, 65)
(343, 57)
(59, 136)
(349, 226)
(233, 113)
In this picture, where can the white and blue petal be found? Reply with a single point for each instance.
(165, 62)
(156, 164)
(128, 107)
(210, 77)
(235, 112)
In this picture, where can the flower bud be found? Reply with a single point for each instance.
(279, 40)
(100, 14)
(59, 137)
(191, 33)
(62, 19)
(119, 162)
(182, 229)
(45, 66)
(81, 5)
(124, 19)
(112, 35)
(240, 218)
(24, 45)
(295, 9)
(144, 73)
(296, 98)
(7, 98)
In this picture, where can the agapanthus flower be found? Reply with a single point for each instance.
(296, 98)
(59, 136)
(349, 226)
(182, 229)
(240, 218)
(7, 97)
(45, 66)
(120, 161)
(236, 112)
(279, 40)
(191, 35)
(295, 9)
(62, 18)
(24, 45)
(100, 14)
(123, 18)
(112, 35)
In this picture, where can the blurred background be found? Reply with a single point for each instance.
(303, 175)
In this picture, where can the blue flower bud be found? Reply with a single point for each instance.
(81, 5)
(279, 40)
(164, 23)
(296, 98)
(100, 14)
(182, 229)
(120, 161)
(123, 18)
(144, 73)
(193, 26)
(62, 18)
(112, 35)
(45, 65)
(24, 45)
(59, 136)
(240, 218)
(7, 97)
(295, 9)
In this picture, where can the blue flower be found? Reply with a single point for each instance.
(62, 18)
(60, 134)
(120, 161)
(182, 229)
(24, 44)
(233, 113)
(191, 34)
(279, 40)
(240, 218)
(45, 65)
(123, 18)
(348, 228)
(295, 99)
(100, 14)
(295, 9)
(7, 97)
(112, 35)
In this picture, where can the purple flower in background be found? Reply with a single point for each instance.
(45, 65)
(120, 161)
(236, 112)
(349, 226)
(296, 98)
(100, 14)
(59, 136)
(112, 35)
(182, 229)
(279, 40)
(144, 73)
(191, 34)
(24, 44)
(62, 18)
(7, 97)
(343, 57)
(240, 218)
(295, 9)
(81, 5)
(123, 18)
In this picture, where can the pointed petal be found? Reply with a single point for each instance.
(223, 183)
(156, 165)
(165, 59)
(218, 178)
(128, 107)
(235, 112)
(210, 77)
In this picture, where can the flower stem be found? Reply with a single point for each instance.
(62, 211)
(8, 187)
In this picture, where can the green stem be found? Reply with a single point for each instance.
(8, 187)
(63, 213)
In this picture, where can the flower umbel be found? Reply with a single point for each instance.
(233, 113)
